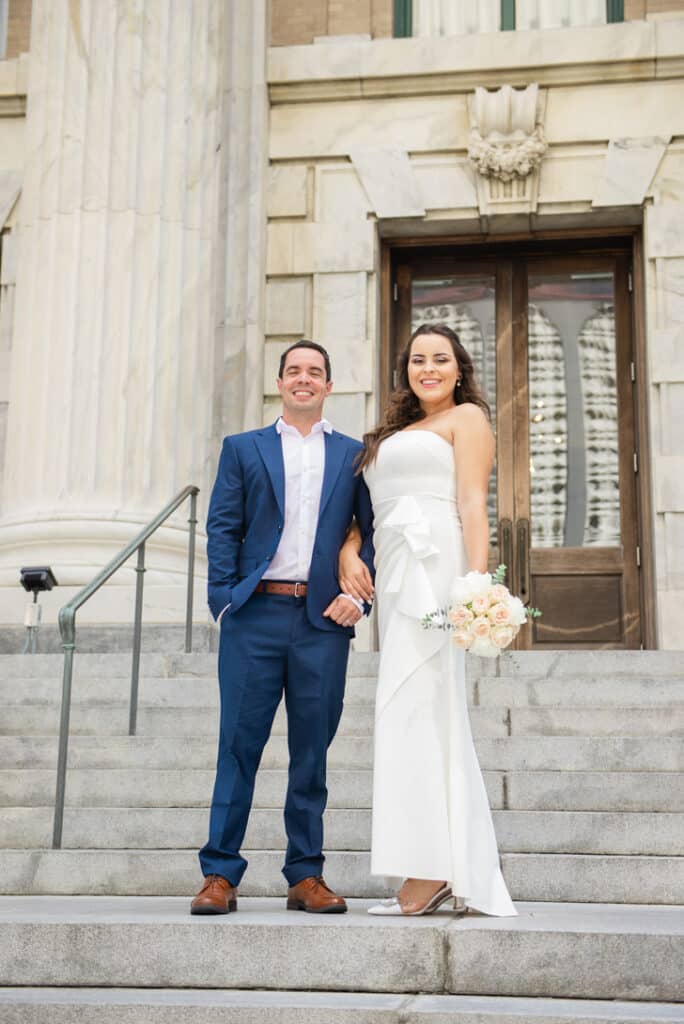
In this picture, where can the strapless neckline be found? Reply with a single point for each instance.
(417, 430)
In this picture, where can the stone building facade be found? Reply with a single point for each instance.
(185, 189)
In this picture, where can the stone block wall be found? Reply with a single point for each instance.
(321, 278)
(369, 146)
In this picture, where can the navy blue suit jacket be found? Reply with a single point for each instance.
(247, 515)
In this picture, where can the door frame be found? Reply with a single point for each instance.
(627, 241)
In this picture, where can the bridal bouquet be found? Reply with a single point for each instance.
(483, 616)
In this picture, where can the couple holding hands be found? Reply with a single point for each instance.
(301, 520)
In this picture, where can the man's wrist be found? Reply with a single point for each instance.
(354, 600)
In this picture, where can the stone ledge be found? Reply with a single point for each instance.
(385, 67)
(195, 1006)
(596, 951)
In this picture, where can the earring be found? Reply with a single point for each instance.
(458, 383)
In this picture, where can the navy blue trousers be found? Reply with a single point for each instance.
(269, 648)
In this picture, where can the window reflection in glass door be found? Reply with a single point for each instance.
(574, 471)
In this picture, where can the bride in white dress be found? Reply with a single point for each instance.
(427, 467)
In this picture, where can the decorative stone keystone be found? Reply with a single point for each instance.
(506, 147)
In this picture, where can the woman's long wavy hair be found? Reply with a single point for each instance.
(404, 408)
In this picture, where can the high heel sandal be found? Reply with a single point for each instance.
(393, 908)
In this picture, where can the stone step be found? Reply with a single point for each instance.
(176, 692)
(533, 664)
(525, 790)
(112, 720)
(553, 877)
(214, 1006)
(581, 832)
(203, 691)
(505, 753)
(357, 719)
(551, 950)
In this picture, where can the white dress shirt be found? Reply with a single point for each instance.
(304, 461)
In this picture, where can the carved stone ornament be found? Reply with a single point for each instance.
(506, 138)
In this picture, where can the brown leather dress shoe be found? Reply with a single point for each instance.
(217, 896)
(314, 896)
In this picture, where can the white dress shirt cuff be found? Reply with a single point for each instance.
(354, 600)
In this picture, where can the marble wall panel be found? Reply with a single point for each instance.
(319, 248)
(674, 542)
(670, 604)
(669, 483)
(569, 175)
(671, 417)
(666, 354)
(12, 142)
(417, 124)
(389, 182)
(287, 190)
(288, 302)
(339, 194)
(445, 183)
(339, 307)
(628, 170)
(665, 234)
(668, 184)
(614, 110)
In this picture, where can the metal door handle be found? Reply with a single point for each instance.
(506, 545)
(523, 534)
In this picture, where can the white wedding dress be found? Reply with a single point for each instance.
(431, 816)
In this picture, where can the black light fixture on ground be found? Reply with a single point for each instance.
(34, 579)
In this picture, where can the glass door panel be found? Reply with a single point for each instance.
(574, 469)
(467, 304)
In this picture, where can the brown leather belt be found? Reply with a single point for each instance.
(284, 589)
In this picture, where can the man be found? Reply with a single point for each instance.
(283, 500)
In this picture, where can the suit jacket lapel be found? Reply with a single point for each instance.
(335, 451)
(271, 450)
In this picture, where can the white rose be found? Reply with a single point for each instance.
(517, 610)
(484, 648)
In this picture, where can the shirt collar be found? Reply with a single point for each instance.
(286, 428)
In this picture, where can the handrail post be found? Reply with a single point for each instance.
(191, 572)
(67, 617)
(137, 638)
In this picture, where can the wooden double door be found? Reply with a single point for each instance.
(550, 333)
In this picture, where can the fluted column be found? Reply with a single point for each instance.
(113, 396)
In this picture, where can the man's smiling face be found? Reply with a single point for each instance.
(303, 386)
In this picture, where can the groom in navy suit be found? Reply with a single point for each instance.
(283, 500)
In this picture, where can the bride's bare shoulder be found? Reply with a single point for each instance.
(468, 417)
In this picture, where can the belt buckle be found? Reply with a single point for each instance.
(296, 589)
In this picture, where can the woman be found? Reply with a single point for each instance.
(427, 466)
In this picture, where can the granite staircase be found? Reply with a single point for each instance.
(584, 764)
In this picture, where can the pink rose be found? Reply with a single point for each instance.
(480, 604)
(499, 614)
(481, 626)
(502, 636)
(460, 616)
(499, 593)
(462, 639)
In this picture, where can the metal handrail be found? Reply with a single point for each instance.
(67, 628)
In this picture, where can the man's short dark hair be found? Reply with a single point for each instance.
(306, 344)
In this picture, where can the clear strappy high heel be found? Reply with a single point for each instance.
(393, 908)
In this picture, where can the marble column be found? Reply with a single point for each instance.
(113, 387)
(242, 260)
